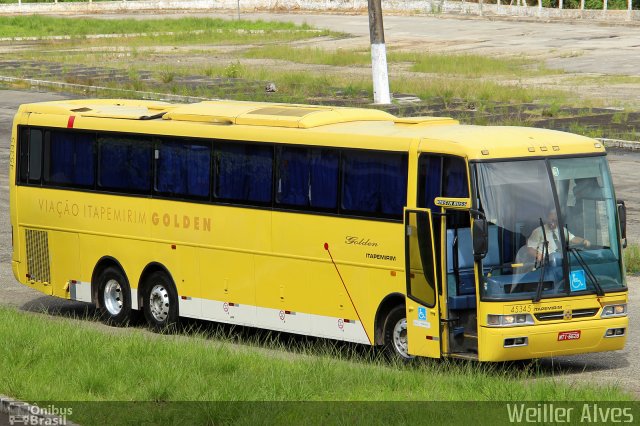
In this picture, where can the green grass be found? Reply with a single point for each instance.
(52, 359)
(632, 258)
(311, 55)
(450, 64)
(471, 65)
(39, 26)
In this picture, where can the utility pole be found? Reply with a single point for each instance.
(378, 54)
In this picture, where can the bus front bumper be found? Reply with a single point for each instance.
(550, 340)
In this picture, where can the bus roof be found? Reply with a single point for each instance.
(376, 129)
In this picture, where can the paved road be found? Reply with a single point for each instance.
(621, 368)
(574, 46)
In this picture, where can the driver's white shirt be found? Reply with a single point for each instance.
(536, 240)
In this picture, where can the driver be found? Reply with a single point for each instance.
(535, 243)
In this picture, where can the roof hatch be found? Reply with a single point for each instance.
(277, 115)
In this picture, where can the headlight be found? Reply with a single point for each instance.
(509, 320)
(619, 310)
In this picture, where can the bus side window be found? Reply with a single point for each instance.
(183, 169)
(374, 183)
(35, 156)
(125, 164)
(70, 159)
(23, 156)
(244, 173)
(307, 177)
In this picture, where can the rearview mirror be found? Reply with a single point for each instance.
(622, 216)
(480, 238)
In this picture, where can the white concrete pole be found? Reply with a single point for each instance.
(560, 4)
(381, 93)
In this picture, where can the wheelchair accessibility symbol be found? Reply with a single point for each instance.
(422, 313)
(578, 281)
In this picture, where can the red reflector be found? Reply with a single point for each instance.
(183, 297)
(28, 276)
(72, 118)
(74, 282)
(393, 273)
(429, 337)
(326, 246)
(173, 246)
(287, 312)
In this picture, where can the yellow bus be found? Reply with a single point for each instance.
(421, 235)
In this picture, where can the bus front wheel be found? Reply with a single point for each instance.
(395, 335)
(114, 297)
(160, 304)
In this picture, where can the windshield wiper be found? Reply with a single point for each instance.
(545, 260)
(587, 268)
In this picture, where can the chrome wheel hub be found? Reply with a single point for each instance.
(400, 343)
(159, 303)
(113, 297)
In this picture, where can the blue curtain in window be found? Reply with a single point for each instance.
(245, 173)
(171, 169)
(71, 159)
(183, 169)
(374, 183)
(433, 179)
(125, 164)
(293, 176)
(324, 178)
(456, 178)
(199, 170)
(359, 185)
(393, 184)
(308, 177)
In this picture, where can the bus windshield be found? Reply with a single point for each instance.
(556, 227)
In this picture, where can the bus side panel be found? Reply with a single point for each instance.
(303, 278)
(65, 261)
(237, 236)
(227, 286)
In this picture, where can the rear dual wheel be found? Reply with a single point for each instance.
(160, 302)
(114, 297)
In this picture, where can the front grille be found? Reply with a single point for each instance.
(558, 315)
(38, 256)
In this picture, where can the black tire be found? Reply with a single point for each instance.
(114, 297)
(395, 339)
(160, 302)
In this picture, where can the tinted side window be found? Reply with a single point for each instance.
(23, 156)
(35, 155)
(307, 177)
(455, 178)
(441, 176)
(244, 173)
(125, 163)
(374, 183)
(71, 159)
(183, 169)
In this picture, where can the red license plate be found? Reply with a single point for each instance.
(568, 335)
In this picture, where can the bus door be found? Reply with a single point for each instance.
(423, 313)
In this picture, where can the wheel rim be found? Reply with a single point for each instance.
(400, 343)
(159, 303)
(113, 297)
